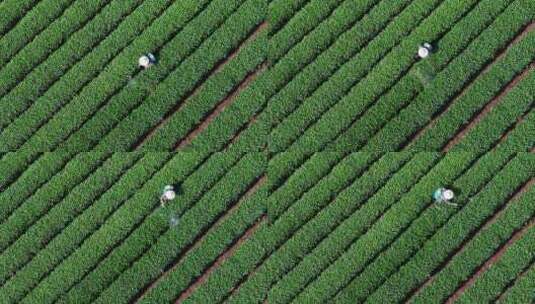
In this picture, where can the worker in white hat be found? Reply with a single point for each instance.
(443, 195)
(146, 61)
(168, 194)
(424, 50)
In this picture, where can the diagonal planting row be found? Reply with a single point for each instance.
(365, 61)
(515, 105)
(17, 218)
(461, 132)
(188, 163)
(246, 115)
(30, 273)
(387, 74)
(238, 223)
(222, 85)
(206, 291)
(136, 213)
(441, 225)
(132, 248)
(304, 238)
(55, 220)
(175, 86)
(484, 88)
(30, 25)
(288, 187)
(390, 105)
(303, 22)
(226, 274)
(220, 285)
(173, 19)
(254, 99)
(24, 157)
(352, 227)
(235, 150)
(388, 235)
(89, 153)
(396, 100)
(193, 223)
(13, 11)
(310, 274)
(317, 51)
(525, 127)
(281, 11)
(521, 290)
(490, 285)
(241, 263)
(69, 68)
(303, 48)
(52, 37)
(42, 75)
(457, 75)
(97, 94)
(341, 66)
(439, 21)
(473, 254)
(36, 176)
(83, 226)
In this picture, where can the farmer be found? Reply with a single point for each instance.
(424, 50)
(146, 61)
(443, 195)
(167, 195)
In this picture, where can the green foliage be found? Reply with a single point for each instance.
(175, 85)
(38, 48)
(477, 95)
(490, 284)
(58, 79)
(217, 87)
(474, 254)
(192, 224)
(39, 15)
(452, 79)
(384, 232)
(439, 233)
(349, 216)
(55, 235)
(341, 67)
(16, 219)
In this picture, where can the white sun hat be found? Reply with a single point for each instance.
(448, 194)
(144, 61)
(169, 195)
(423, 52)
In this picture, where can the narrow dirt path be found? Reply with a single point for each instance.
(493, 259)
(220, 260)
(506, 134)
(199, 240)
(216, 69)
(489, 222)
(519, 277)
(186, 141)
(498, 254)
(499, 56)
(251, 121)
(488, 108)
